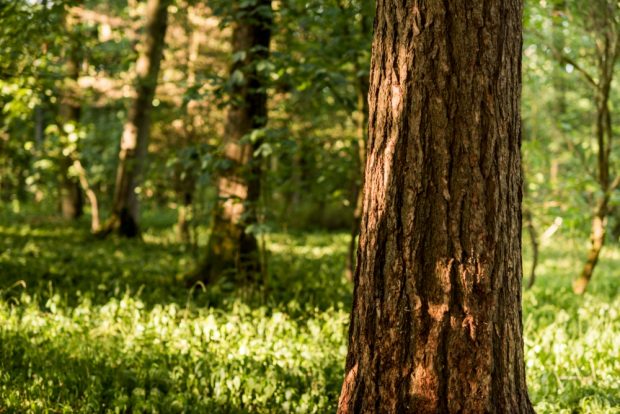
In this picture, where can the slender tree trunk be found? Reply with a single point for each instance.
(601, 22)
(231, 246)
(39, 126)
(436, 321)
(186, 173)
(71, 196)
(357, 194)
(604, 134)
(95, 222)
(183, 214)
(531, 231)
(134, 141)
(359, 146)
(597, 240)
(599, 220)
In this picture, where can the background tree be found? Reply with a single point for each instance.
(602, 23)
(232, 243)
(71, 195)
(134, 141)
(436, 321)
(571, 56)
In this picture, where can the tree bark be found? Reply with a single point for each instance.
(134, 141)
(436, 321)
(231, 246)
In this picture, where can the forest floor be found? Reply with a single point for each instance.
(92, 325)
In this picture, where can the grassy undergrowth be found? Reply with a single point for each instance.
(107, 326)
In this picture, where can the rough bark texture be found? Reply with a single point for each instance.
(134, 141)
(231, 247)
(436, 321)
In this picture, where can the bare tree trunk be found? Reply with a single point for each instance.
(531, 231)
(359, 145)
(604, 138)
(134, 141)
(357, 194)
(602, 22)
(231, 246)
(599, 221)
(183, 214)
(95, 222)
(597, 240)
(186, 173)
(71, 196)
(436, 321)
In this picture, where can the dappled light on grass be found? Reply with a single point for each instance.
(571, 342)
(167, 358)
(105, 326)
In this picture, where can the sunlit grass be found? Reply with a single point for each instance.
(168, 359)
(106, 326)
(572, 343)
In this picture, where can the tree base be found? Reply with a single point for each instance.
(580, 285)
(123, 223)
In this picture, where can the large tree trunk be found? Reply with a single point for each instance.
(436, 321)
(134, 141)
(231, 246)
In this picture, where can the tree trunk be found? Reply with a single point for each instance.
(231, 246)
(604, 135)
(134, 141)
(357, 194)
(71, 196)
(359, 145)
(183, 214)
(599, 221)
(597, 240)
(95, 222)
(531, 230)
(436, 321)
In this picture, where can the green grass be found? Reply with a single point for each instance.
(107, 326)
